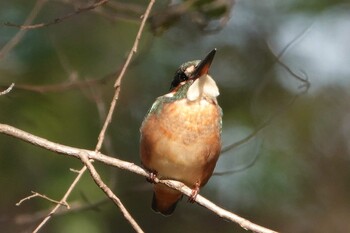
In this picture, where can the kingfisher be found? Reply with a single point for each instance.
(181, 134)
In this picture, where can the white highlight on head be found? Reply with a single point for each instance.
(189, 70)
(204, 85)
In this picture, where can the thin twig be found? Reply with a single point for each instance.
(102, 113)
(19, 35)
(109, 117)
(305, 84)
(121, 75)
(293, 41)
(85, 159)
(7, 90)
(63, 200)
(60, 87)
(112, 161)
(30, 218)
(243, 167)
(58, 20)
(35, 194)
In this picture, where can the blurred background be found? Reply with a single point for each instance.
(290, 173)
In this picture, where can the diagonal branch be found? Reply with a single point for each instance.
(63, 200)
(121, 75)
(58, 20)
(107, 121)
(76, 152)
(84, 157)
(19, 35)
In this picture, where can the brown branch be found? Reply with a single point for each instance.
(108, 119)
(23, 219)
(244, 223)
(19, 35)
(35, 194)
(129, 12)
(121, 75)
(58, 20)
(85, 159)
(63, 200)
(102, 113)
(76, 152)
(59, 87)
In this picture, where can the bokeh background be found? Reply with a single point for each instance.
(292, 175)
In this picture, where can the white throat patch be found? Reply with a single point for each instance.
(204, 85)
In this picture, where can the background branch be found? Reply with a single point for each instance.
(35, 194)
(28, 26)
(19, 35)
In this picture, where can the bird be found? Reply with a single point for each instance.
(180, 137)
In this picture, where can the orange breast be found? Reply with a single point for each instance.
(182, 141)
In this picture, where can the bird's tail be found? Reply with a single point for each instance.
(165, 199)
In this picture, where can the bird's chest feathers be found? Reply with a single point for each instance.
(187, 121)
(184, 135)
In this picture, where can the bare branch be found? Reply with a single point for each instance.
(112, 161)
(57, 20)
(127, 11)
(305, 84)
(74, 207)
(240, 168)
(121, 75)
(63, 200)
(244, 223)
(85, 159)
(35, 194)
(102, 113)
(109, 116)
(7, 90)
(19, 35)
(64, 86)
(293, 41)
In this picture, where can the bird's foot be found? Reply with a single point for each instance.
(194, 193)
(152, 176)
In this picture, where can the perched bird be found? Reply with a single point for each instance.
(181, 134)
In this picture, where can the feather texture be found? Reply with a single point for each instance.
(203, 86)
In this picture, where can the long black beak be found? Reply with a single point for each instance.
(203, 67)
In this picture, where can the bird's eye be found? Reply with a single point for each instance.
(179, 77)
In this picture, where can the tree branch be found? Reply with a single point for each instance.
(76, 152)
(35, 194)
(19, 35)
(7, 90)
(85, 159)
(108, 119)
(63, 200)
(121, 75)
(58, 20)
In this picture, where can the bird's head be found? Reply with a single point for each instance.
(192, 80)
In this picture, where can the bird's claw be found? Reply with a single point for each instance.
(152, 176)
(194, 193)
